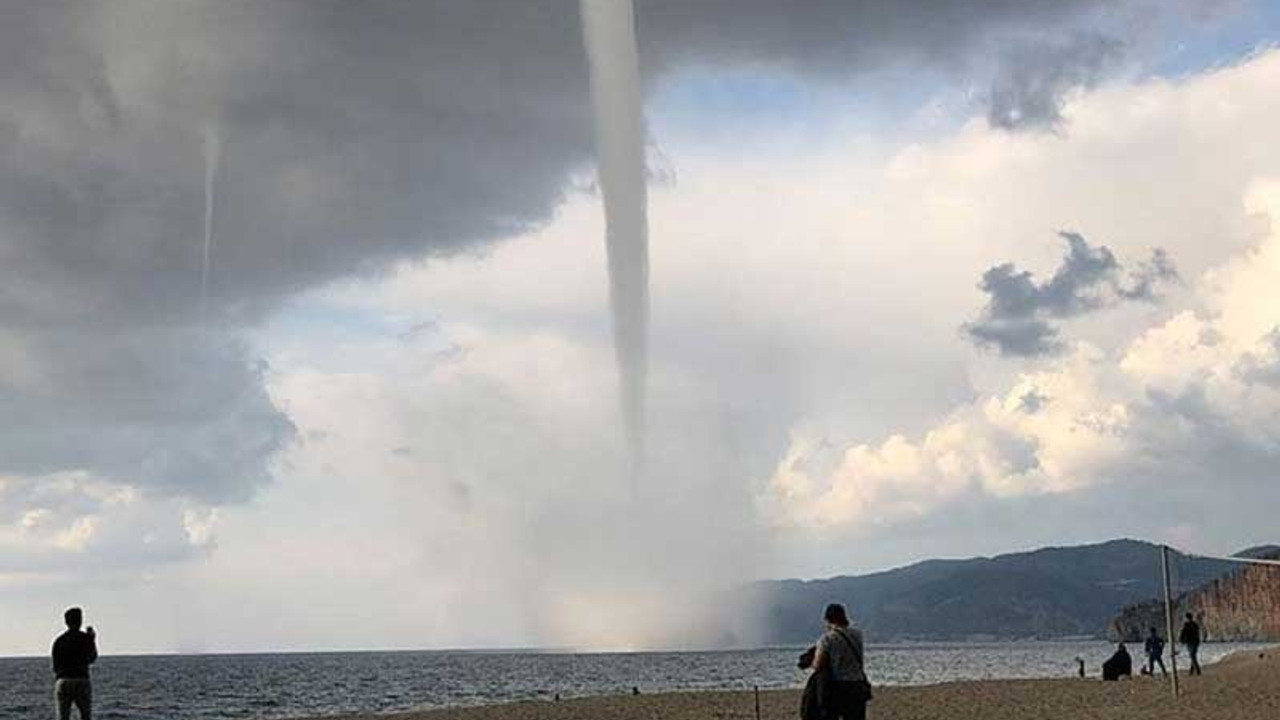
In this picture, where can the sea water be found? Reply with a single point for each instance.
(200, 687)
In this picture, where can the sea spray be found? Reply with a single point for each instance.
(608, 30)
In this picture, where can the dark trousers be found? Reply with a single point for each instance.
(846, 702)
(73, 691)
(1194, 652)
(1151, 664)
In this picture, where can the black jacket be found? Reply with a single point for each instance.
(811, 699)
(1190, 634)
(1117, 666)
(73, 652)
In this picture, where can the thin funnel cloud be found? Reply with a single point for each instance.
(608, 30)
(212, 158)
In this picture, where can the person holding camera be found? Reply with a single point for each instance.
(73, 652)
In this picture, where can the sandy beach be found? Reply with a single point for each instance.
(1243, 687)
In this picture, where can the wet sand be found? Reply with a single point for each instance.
(1243, 687)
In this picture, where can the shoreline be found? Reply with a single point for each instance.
(1241, 686)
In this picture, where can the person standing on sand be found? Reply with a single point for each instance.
(1190, 636)
(839, 654)
(1155, 653)
(73, 652)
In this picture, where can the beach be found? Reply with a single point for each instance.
(1242, 687)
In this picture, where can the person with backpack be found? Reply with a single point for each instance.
(839, 672)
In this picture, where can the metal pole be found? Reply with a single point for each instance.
(1168, 616)
(757, 689)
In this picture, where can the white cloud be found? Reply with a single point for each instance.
(1162, 406)
(469, 417)
(350, 138)
(457, 477)
(492, 480)
(57, 525)
(77, 537)
(199, 524)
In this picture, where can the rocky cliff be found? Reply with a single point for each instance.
(1242, 605)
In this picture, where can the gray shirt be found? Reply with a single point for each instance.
(844, 658)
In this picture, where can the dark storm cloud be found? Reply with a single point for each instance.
(841, 37)
(178, 409)
(1144, 281)
(1035, 75)
(358, 133)
(350, 139)
(1023, 337)
(352, 135)
(1018, 318)
(1032, 401)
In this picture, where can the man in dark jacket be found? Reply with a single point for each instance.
(73, 652)
(1190, 636)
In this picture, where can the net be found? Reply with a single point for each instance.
(1242, 604)
(1213, 600)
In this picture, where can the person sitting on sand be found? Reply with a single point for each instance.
(840, 661)
(1155, 653)
(1118, 665)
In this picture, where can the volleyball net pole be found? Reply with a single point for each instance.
(1168, 619)
(1169, 611)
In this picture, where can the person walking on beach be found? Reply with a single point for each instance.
(840, 659)
(1155, 653)
(1190, 636)
(73, 652)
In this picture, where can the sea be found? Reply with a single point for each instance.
(294, 685)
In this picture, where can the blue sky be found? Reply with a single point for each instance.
(1222, 39)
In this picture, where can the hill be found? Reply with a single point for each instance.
(1047, 593)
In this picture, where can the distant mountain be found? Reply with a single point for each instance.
(1260, 552)
(1047, 593)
